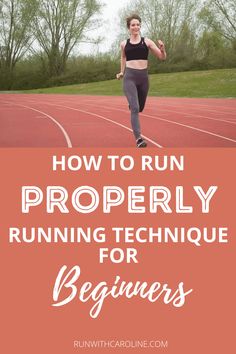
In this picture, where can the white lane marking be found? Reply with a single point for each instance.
(111, 121)
(190, 127)
(104, 118)
(187, 104)
(190, 114)
(193, 115)
(156, 118)
(183, 125)
(68, 141)
(206, 110)
(202, 105)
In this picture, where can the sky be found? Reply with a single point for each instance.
(108, 30)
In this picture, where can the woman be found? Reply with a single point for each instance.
(134, 63)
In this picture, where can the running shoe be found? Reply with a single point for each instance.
(141, 143)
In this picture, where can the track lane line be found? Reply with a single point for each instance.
(162, 119)
(191, 114)
(66, 136)
(150, 116)
(176, 123)
(216, 102)
(200, 109)
(150, 99)
(194, 115)
(190, 127)
(104, 118)
(104, 100)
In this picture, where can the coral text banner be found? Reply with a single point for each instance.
(117, 250)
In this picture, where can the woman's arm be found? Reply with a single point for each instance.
(160, 52)
(122, 61)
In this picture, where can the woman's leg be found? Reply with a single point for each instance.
(143, 88)
(131, 94)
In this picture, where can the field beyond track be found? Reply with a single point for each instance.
(211, 83)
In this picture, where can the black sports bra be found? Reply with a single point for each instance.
(138, 51)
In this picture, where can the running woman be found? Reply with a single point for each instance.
(134, 63)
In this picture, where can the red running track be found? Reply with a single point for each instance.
(31, 120)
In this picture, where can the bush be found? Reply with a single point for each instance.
(31, 73)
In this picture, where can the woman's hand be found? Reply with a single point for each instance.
(158, 48)
(161, 46)
(119, 76)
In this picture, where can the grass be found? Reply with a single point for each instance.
(210, 83)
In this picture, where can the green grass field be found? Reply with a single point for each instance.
(211, 83)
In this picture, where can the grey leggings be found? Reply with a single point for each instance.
(136, 87)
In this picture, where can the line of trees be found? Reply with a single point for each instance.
(197, 35)
(49, 29)
(40, 39)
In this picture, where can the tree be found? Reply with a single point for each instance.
(210, 44)
(171, 20)
(60, 25)
(16, 18)
(227, 12)
(220, 16)
(185, 44)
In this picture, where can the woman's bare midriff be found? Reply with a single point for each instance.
(137, 64)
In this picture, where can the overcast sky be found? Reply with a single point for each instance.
(109, 28)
